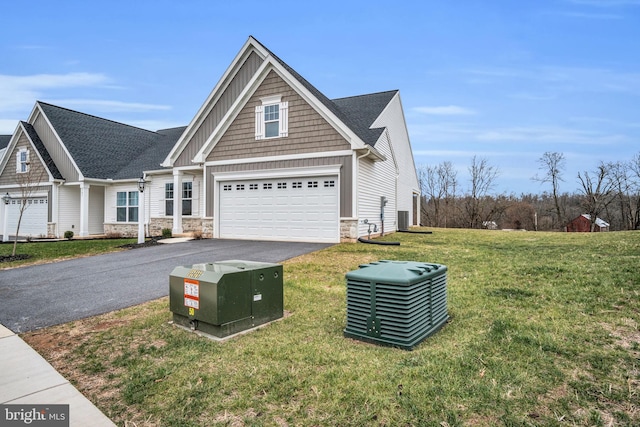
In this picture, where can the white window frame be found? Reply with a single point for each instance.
(22, 165)
(262, 120)
(128, 206)
(187, 196)
(168, 191)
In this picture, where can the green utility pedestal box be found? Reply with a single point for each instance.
(396, 303)
(226, 297)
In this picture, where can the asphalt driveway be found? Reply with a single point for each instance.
(44, 295)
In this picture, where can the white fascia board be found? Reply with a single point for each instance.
(278, 173)
(158, 172)
(313, 155)
(64, 147)
(249, 46)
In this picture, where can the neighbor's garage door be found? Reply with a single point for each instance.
(34, 218)
(289, 209)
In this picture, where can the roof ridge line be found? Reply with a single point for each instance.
(366, 94)
(97, 117)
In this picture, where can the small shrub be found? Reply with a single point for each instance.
(197, 235)
(68, 234)
(113, 235)
(166, 233)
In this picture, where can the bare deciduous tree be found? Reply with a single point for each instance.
(28, 184)
(482, 176)
(634, 167)
(597, 189)
(552, 164)
(438, 185)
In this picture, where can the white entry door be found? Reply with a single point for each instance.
(304, 209)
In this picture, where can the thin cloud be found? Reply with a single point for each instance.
(553, 79)
(7, 126)
(606, 3)
(582, 15)
(449, 110)
(554, 135)
(20, 92)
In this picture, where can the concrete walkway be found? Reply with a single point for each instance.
(26, 378)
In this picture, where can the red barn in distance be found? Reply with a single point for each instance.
(583, 224)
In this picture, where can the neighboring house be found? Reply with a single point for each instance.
(266, 157)
(583, 224)
(4, 141)
(77, 159)
(490, 225)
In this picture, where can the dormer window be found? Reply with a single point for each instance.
(22, 160)
(272, 118)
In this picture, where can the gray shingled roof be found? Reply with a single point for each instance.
(363, 110)
(106, 149)
(357, 112)
(42, 150)
(151, 158)
(4, 141)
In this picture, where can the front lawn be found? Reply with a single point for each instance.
(45, 251)
(543, 331)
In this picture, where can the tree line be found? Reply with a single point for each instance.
(611, 192)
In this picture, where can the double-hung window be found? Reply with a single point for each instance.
(272, 118)
(127, 206)
(187, 197)
(168, 199)
(22, 161)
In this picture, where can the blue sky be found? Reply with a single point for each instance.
(503, 80)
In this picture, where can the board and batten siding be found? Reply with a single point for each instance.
(69, 209)
(346, 176)
(309, 132)
(217, 112)
(393, 119)
(56, 151)
(377, 179)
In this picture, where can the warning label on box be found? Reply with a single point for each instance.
(192, 293)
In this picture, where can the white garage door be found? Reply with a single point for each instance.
(34, 218)
(290, 209)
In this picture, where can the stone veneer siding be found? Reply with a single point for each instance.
(189, 225)
(348, 229)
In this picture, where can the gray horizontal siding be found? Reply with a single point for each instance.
(38, 172)
(308, 131)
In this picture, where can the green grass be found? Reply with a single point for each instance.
(40, 252)
(543, 331)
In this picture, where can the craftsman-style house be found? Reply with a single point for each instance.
(267, 157)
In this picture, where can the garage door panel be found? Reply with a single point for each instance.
(302, 209)
(34, 217)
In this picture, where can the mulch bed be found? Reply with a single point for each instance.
(150, 242)
(18, 257)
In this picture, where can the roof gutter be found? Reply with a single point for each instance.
(371, 152)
